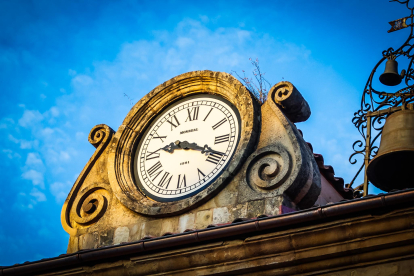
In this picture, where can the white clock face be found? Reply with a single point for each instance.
(187, 147)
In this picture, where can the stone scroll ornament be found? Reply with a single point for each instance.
(270, 167)
(86, 204)
(283, 163)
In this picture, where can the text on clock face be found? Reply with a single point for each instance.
(211, 134)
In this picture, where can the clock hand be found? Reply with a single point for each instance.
(206, 149)
(186, 145)
(209, 150)
(170, 147)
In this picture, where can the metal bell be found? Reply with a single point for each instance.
(393, 166)
(390, 76)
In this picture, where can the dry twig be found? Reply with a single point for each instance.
(259, 86)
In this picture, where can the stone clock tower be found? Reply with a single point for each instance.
(198, 150)
(202, 179)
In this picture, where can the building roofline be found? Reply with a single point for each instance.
(253, 226)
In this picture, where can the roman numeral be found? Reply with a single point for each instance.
(177, 123)
(214, 157)
(192, 113)
(200, 172)
(152, 171)
(222, 139)
(183, 182)
(165, 180)
(157, 136)
(219, 123)
(208, 114)
(153, 155)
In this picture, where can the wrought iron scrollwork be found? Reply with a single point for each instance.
(376, 105)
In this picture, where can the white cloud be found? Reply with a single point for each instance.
(71, 72)
(81, 136)
(13, 139)
(6, 122)
(27, 144)
(34, 176)
(82, 80)
(30, 117)
(11, 154)
(183, 42)
(24, 144)
(54, 111)
(60, 190)
(33, 160)
(47, 131)
(64, 156)
(38, 195)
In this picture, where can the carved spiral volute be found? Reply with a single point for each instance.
(268, 168)
(91, 205)
(97, 135)
(88, 202)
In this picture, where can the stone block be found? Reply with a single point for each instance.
(203, 219)
(135, 231)
(255, 208)
(239, 211)
(73, 245)
(106, 237)
(221, 215)
(169, 225)
(272, 206)
(152, 228)
(121, 235)
(186, 222)
(88, 241)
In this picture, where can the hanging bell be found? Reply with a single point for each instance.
(390, 76)
(393, 166)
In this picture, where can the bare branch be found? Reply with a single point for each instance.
(259, 86)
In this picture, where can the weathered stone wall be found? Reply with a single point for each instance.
(294, 184)
(376, 243)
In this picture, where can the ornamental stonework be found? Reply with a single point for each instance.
(198, 150)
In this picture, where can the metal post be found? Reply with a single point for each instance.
(367, 153)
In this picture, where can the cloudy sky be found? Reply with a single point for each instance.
(66, 66)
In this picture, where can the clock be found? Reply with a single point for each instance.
(182, 143)
(186, 147)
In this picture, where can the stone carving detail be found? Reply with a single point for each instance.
(283, 164)
(90, 205)
(289, 99)
(269, 167)
(87, 206)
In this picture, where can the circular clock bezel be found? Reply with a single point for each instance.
(155, 120)
(122, 148)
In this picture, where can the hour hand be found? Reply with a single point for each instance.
(181, 145)
(170, 147)
(206, 149)
(187, 145)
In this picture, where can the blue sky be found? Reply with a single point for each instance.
(66, 65)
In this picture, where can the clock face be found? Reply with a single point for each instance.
(186, 147)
